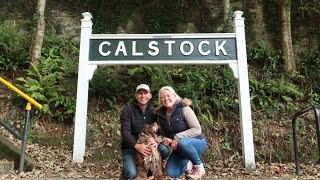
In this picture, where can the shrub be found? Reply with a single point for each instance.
(309, 68)
(46, 82)
(14, 46)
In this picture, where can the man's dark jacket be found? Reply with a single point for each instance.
(133, 121)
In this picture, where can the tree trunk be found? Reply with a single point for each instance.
(227, 16)
(39, 34)
(286, 39)
(226, 7)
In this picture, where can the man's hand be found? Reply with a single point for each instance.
(143, 149)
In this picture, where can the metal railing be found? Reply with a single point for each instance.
(316, 113)
(22, 137)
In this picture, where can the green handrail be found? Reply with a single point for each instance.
(25, 129)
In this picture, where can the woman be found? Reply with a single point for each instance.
(182, 133)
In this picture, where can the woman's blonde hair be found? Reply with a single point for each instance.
(171, 90)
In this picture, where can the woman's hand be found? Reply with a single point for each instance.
(174, 144)
(167, 141)
(153, 142)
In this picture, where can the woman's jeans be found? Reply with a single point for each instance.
(129, 169)
(187, 149)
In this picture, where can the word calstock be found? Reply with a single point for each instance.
(165, 47)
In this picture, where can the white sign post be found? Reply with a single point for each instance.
(138, 49)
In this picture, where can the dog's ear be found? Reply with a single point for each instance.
(146, 127)
(154, 127)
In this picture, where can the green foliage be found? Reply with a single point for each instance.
(228, 27)
(304, 20)
(106, 83)
(275, 98)
(198, 12)
(271, 91)
(226, 143)
(309, 67)
(271, 14)
(305, 15)
(267, 93)
(141, 16)
(14, 46)
(211, 88)
(112, 14)
(314, 97)
(263, 57)
(44, 82)
(307, 137)
(161, 17)
(250, 30)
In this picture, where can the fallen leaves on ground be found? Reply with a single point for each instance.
(57, 161)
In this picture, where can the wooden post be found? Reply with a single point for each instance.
(84, 75)
(244, 94)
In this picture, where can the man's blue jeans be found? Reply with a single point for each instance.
(129, 169)
(187, 149)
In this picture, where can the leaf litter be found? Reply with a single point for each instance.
(57, 162)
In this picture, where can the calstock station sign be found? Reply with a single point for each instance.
(162, 48)
(153, 49)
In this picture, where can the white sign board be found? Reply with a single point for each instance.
(138, 49)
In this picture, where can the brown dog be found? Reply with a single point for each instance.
(153, 163)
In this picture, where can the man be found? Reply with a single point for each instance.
(133, 119)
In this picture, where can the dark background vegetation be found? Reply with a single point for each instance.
(275, 95)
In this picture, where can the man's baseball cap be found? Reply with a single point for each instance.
(143, 86)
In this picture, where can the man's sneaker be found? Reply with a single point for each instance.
(189, 168)
(197, 172)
